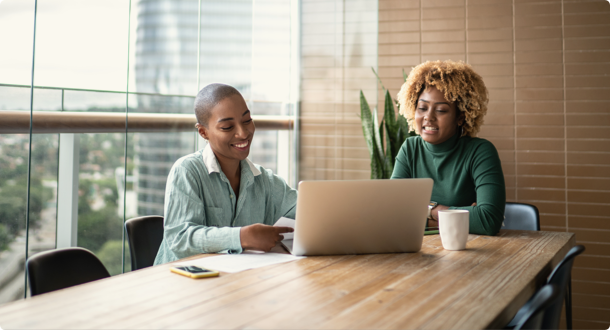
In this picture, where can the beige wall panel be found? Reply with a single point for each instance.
(539, 94)
(538, 20)
(589, 222)
(494, 69)
(589, 183)
(596, 275)
(573, 107)
(491, 58)
(442, 13)
(540, 106)
(443, 24)
(547, 157)
(571, 7)
(538, 32)
(402, 37)
(399, 49)
(553, 195)
(597, 171)
(585, 261)
(441, 3)
(490, 46)
(493, 22)
(541, 169)
(398, 15)
(589, 145)
(589, 197)
(602, 119)
(490, 35)
(477, 11)
(501, 131)
(587, 68)
(592, 158)
(399, 26)
(398, 4)
(593, 18)
(540, 144)
(443, 36)
(539, 57)
(539, 69)
(532, 8)
(579, 44)
(588, 133)
(540, 132)
(540, 82)
(540, 119)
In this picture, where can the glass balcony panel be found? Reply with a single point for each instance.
(47, 99)
(14, 98)
(94, 101)
(100, 197)
(271, 50)
(163, 50)
(16, 35)
(82, 44)
(13, 204)
(43, 193)
(225, 49)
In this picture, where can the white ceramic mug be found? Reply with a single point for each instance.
(453, 226)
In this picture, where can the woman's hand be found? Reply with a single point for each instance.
(434, 214)
(261, 237)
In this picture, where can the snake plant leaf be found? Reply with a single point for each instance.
(369, 129)
(378, 79)
(404, 75)
(378, 140)
(390, 152)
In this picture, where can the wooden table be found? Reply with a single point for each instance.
(481, 287)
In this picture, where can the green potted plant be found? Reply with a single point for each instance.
(383, 139)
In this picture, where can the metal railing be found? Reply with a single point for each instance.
(44, 122)
(61, 121)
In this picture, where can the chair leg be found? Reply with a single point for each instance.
(569, 304)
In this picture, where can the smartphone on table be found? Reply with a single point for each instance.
(194, 271)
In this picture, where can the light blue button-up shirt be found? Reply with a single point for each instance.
(202, 214)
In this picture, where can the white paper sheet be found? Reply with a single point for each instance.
(286, 222)
(233, 263)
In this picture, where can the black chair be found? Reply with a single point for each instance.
(535, 309)
(145, 235)
(62, 268)
(520, 216)
(560, 277)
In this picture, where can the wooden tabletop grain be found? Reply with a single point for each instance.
(480, 287)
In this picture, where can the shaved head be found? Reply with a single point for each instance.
(208, 98)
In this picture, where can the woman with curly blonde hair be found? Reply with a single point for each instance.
(445, 102)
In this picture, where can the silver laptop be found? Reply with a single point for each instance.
(361, 216)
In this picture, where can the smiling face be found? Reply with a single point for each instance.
(436, 119)
(229, 130)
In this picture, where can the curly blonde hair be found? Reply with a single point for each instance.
(457, 81)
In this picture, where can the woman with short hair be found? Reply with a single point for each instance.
(445, 102)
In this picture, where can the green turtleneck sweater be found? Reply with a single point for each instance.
(465, 170)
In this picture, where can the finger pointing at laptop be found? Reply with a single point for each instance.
(261, 237)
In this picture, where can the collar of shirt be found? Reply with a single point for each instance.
(210, 161)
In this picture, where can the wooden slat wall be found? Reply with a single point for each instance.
(547, 67)
(339, 47)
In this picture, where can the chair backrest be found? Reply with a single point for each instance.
(560, 277)
(520, 216)
(57, 269)
(534, 310)
(145, 235)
